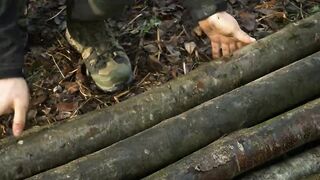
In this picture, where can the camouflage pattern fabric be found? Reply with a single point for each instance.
(105, 59)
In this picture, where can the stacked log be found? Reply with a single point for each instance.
(167, 142)
(243, 150)
(302, 166)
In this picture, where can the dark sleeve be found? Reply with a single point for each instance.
(201, 9)
(12, 40)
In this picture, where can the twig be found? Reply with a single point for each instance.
(68, 58)
(116, 99)
(159, 44)
(83, 88)
(301, 11)
(77, 110)
(100, 101)
(132, 21)
(185, 71)
(64, 8)
(143, 79)
(38, 86)
(122, 94)
(272, 15)
(185, 31)
(54, 60)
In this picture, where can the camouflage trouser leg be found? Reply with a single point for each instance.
(105, 59)
(90, 10)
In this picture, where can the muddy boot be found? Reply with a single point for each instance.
(105, 60)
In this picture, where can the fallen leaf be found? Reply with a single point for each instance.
(151, 48)
(67, 107)
(190, 47)
(153, 64)
(63, 115)
(32, 114)
(39, 100)
(248, 20)
(71, 87)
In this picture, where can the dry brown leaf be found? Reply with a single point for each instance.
(267, 5)
(72, 87)
(248, 20)
(67, 107)
(39, 100)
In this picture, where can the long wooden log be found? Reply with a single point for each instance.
(297, 167)
(94, 131)
(179, 136)
(249, 148)
(312, 177)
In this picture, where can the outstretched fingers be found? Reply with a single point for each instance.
(225, 49)
(233, 47)
(243, 37)
(216, 50)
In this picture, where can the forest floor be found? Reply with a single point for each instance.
(158, 36)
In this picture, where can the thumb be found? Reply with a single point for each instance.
(20, 112)
(243, 37)
(206, 27)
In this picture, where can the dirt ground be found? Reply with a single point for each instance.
(159, 37)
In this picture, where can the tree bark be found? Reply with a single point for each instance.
(179, 136)
(94, 131)
(297, 167)
(248, 148)
(312, 177)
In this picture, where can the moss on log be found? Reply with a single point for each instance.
(94, 131)
(298, 167)
(249, 148)
(179, 136)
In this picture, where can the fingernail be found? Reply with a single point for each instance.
(253, 39)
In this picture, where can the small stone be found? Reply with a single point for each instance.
(20, 142)
(57, 89)
(146, 151)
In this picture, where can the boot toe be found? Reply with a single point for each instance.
(114, 80)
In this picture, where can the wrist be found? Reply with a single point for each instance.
(214, 18)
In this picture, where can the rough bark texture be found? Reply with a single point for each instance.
(248, 148)
(312, 177)
(33, 131)
(298, 167)
(89, 133)
(179, 136)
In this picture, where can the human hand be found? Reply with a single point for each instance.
(14, 96)
(225, 34)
